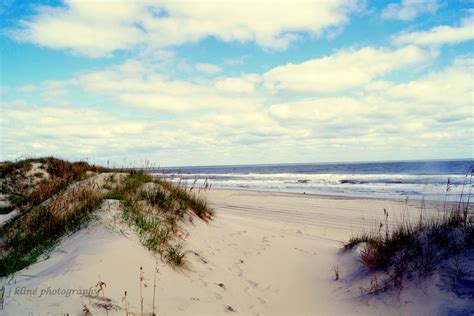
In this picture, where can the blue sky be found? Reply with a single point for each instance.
(234, 82)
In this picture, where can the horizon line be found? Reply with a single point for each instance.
(315, 163)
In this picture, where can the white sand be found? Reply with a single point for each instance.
(273, 254)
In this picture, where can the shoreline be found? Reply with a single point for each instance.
(341, 197)
(385, 180)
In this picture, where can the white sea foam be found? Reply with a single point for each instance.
(367, 185)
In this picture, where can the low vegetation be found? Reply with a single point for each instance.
(175, 255)
(104, 303)
(25, 189)
(153, 208)
(417, 250)
(54, 197)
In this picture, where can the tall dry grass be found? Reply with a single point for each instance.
(54, 207)
(31, 234)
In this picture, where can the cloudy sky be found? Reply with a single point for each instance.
(237, 82)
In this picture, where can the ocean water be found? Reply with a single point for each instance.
(413, 179)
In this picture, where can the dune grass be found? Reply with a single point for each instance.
(29, 235)
(23, 194)
(154, 212)
(416, 250)
(175, 255)
(189, 200)
(52, 208)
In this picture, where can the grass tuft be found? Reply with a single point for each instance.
(189, 199)
(175, 255)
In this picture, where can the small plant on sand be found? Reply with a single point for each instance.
(154, 286)
(86, 311)
(100, 286)
(372, 288)
(336, 273)
(175, 255)
(355, 240)
(141, 277)
(105, 303)
(126, 305)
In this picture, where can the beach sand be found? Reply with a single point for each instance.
(263, 254)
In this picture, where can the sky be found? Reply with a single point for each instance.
(177, 83)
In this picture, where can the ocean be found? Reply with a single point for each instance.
(412, 179)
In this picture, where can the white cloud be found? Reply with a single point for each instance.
(452, 86)
(244, 84)
(443, 34)
(409, 9)
(98, 29)
(90, 28)
(344, 70)
(138, 85)
(434, 110)
(333, 110)
(154, 91)
(37, 130)
(70, 122)
(229, 127)
(242, 118)
(49, 89)
(208, 68)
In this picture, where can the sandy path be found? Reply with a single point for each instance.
(276, 252)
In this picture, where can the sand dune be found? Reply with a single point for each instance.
(264, 254)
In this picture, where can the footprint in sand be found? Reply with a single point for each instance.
(301, 250)
(265, 243)
(240, 271)
(252, 284)
(236, 267)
